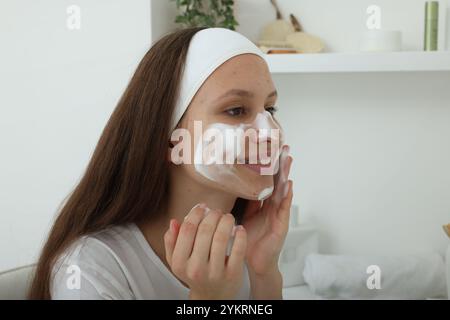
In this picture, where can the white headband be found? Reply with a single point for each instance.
(208, 49)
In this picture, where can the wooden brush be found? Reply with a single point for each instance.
(274, 34)
(302, 41)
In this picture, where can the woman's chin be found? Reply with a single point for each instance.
(243, 182)
(258, 195)
(251, 185)
(248, 192)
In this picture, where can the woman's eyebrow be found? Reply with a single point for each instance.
(244, 94)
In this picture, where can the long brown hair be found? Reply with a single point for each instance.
(127, 178)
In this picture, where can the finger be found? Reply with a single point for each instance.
(186, 236)
(170, 238)
(253, 206)
(282, 161)
(238, 251)
(289, 160)
(204, 236)
(288, 166)
(285, 207)
(281, 177)
(220, 243)
(285, 164)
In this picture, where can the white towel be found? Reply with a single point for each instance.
(401, 277)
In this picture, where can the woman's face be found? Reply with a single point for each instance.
(239, 95)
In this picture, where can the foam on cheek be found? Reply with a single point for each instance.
(219, 159)
(217, 164)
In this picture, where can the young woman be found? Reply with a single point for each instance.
(139, 226)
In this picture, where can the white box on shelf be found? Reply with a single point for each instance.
(378, 40)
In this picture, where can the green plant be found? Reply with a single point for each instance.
(206, 13)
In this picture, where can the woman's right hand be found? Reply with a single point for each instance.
(196, 253)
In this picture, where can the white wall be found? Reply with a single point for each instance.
(371, 158)
(57, 90)
(163, 13)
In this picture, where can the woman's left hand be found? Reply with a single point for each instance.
(267, 225)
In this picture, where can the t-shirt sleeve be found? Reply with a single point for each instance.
(89, 270)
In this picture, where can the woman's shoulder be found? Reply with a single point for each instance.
(94, 262)
(100, 246)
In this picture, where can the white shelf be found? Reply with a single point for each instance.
(359, 62)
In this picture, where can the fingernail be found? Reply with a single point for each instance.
(207, 210)
(199, 205)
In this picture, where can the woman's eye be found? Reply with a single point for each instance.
(272, 109)
(235, 112)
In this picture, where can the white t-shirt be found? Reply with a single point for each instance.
(118, 263)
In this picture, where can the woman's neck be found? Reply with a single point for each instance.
(185, 193)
